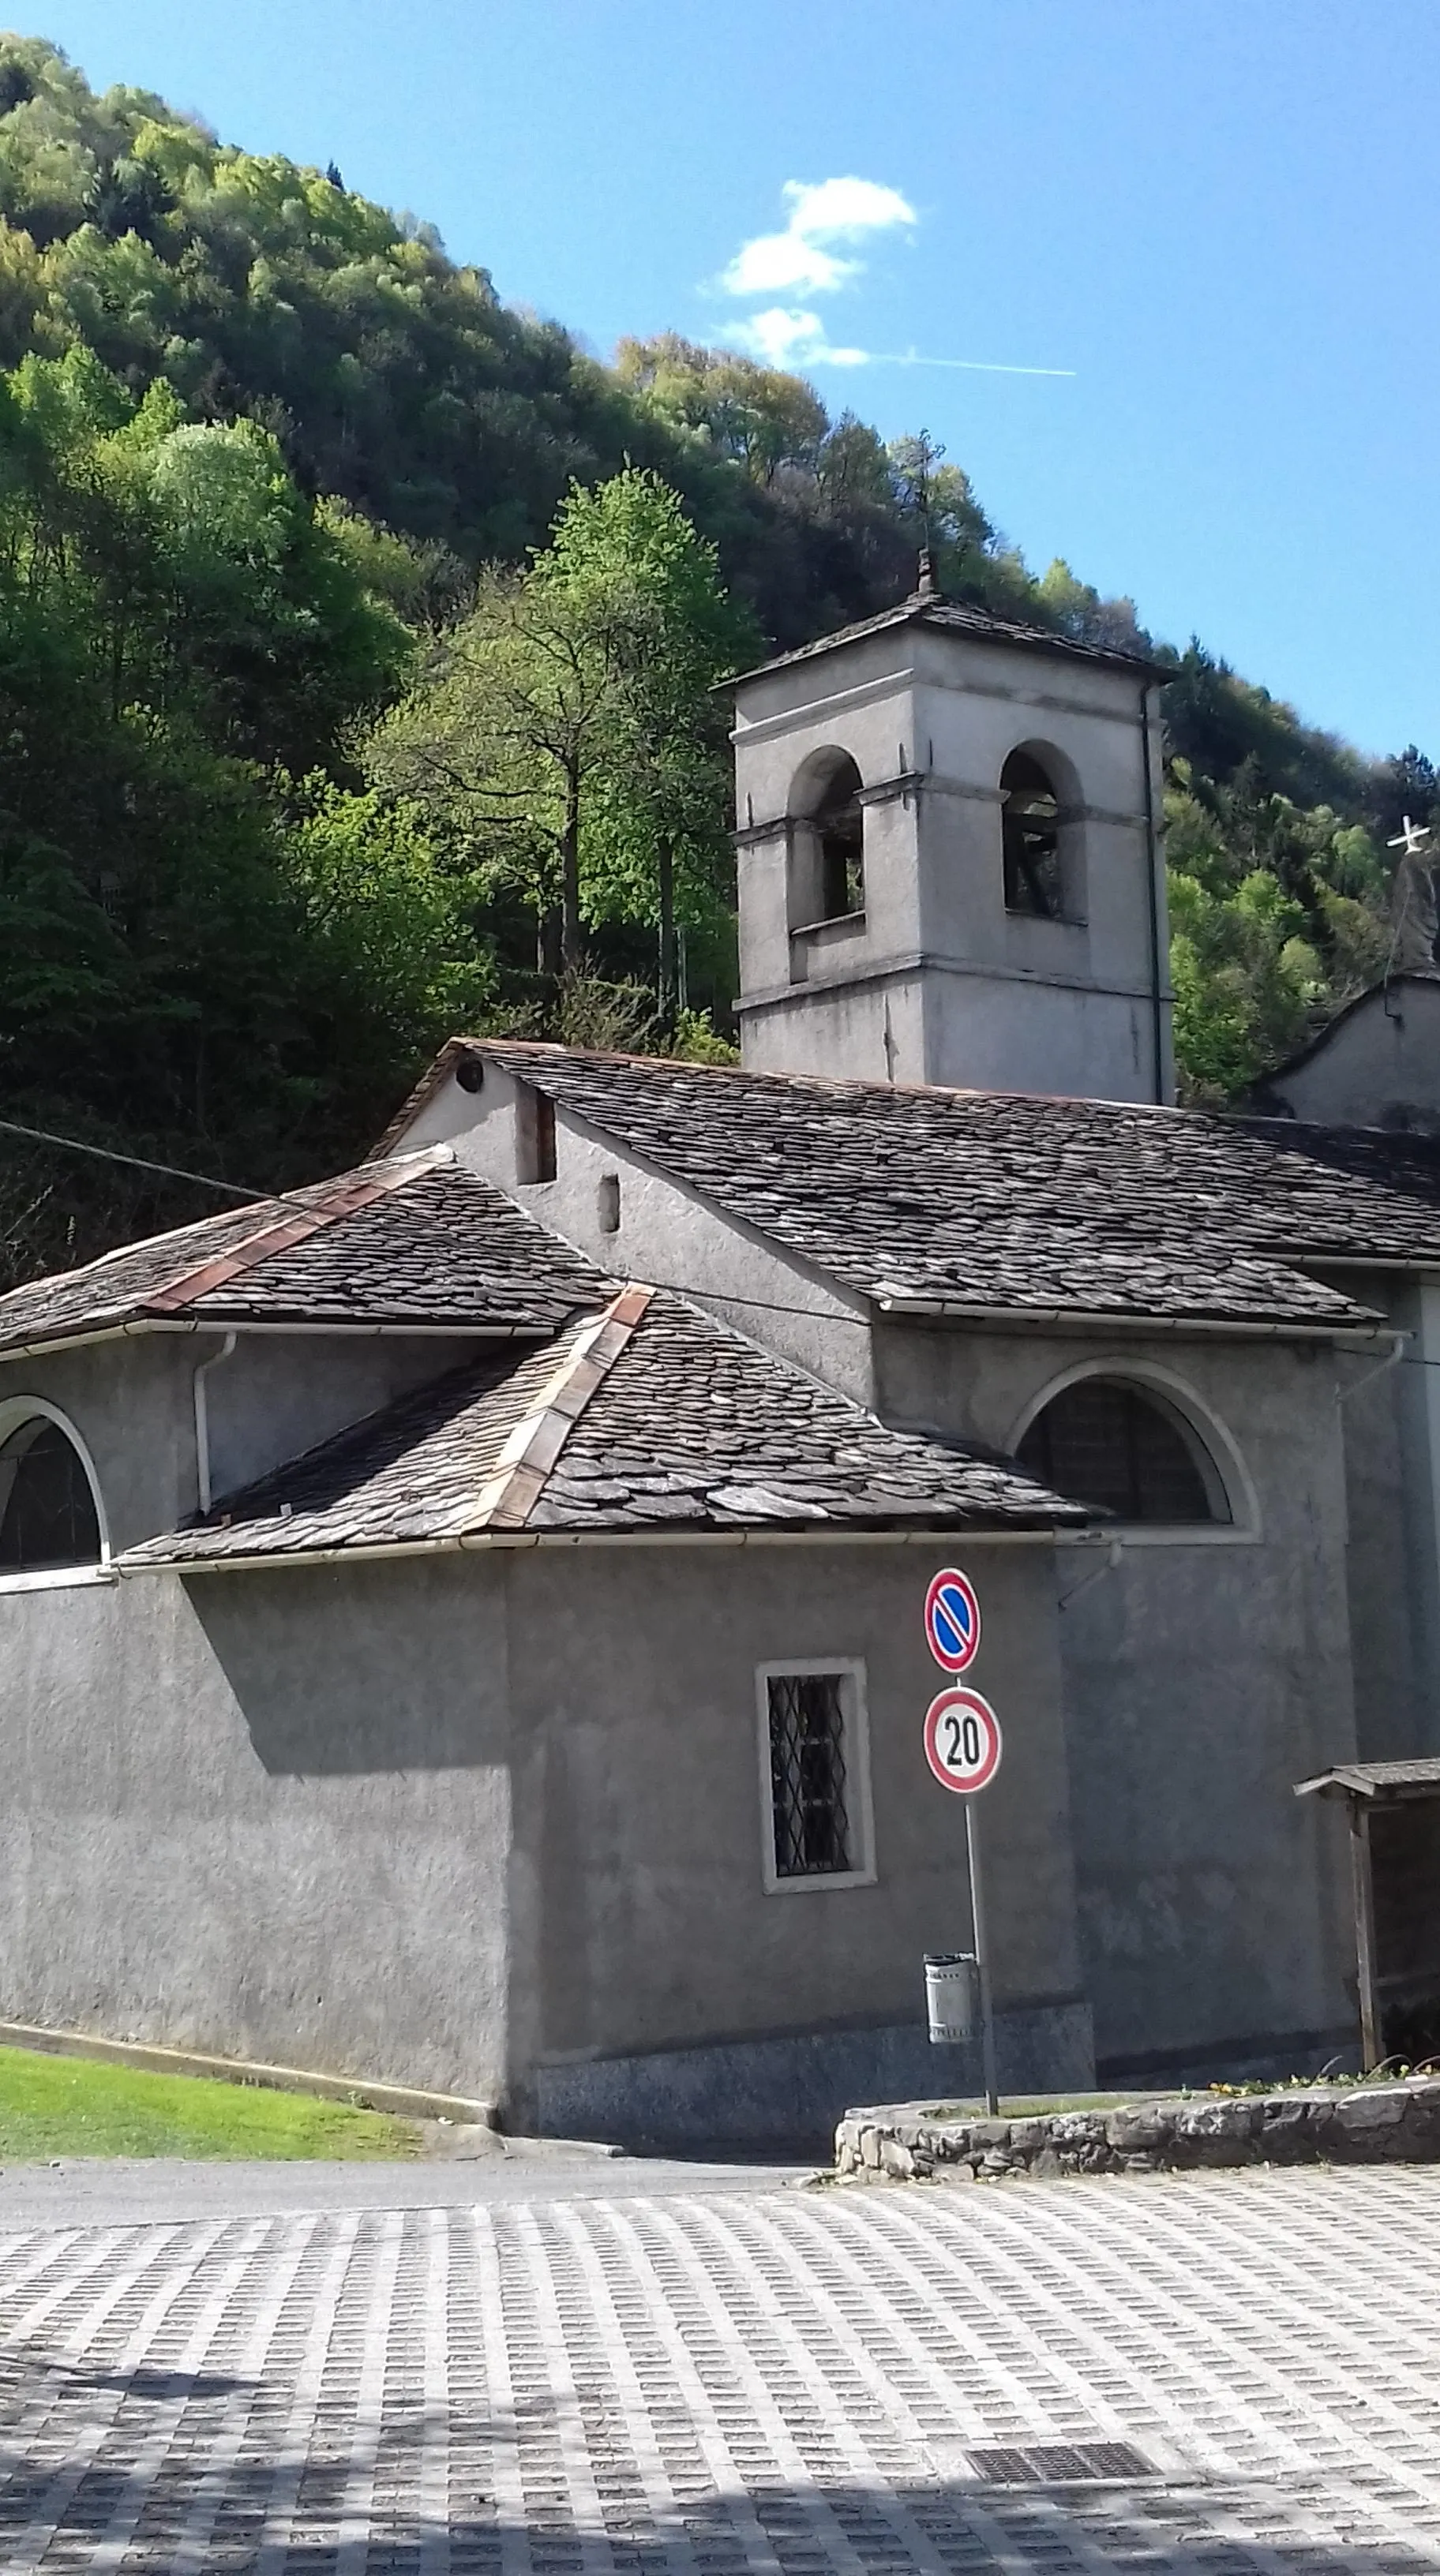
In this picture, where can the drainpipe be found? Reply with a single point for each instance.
(1395, 1353)
(202, 1420)
(1157, 1008)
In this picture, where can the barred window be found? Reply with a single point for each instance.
(1107, 1442)
(817, 1801)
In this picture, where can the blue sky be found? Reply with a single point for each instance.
(1219, 220)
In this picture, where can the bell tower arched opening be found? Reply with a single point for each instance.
(827, 841)
(1040, 836)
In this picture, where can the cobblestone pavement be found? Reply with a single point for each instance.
(788, 2382)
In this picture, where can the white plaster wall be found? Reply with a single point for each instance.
(667, 1234)
(875, 1031)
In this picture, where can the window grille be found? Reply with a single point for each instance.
(1102, 1441)
(810, 1789)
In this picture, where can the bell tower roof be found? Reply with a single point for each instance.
(926, 605)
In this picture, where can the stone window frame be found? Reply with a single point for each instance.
(15, 1412)
(855, 1714)
(1217, 1454)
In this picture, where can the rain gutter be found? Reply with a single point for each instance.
(1077, 1319)
(470, 1542)
(47, 1347)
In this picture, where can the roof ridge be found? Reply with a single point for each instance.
(344, 1197)
(541, 1051)
(518, 1478)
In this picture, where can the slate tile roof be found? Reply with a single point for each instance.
(650, 1415)
(416, 1240)
(958, 617)
(1003, 1200)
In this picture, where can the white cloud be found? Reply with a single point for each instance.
(804, 257)
(782, 337)
(828, 220)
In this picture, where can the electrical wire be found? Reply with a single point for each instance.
(137, 1162)
(173, 1171)
(231, 1189)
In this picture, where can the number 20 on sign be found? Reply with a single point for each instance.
(962, 1741)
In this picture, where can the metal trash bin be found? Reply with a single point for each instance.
(952, 1994)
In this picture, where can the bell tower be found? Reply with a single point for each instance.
(949, 858)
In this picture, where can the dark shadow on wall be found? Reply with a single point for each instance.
(388, 1666)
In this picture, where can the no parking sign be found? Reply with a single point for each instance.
(952, 1620)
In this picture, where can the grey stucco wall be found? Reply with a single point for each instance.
(1389, 1415)
(266, 1814)
(283, 1393)
(1201, 1680)
(132, 1402)
(447, 1820)
(450, 1820)
(1378, 1067)
(998, 1000)
(639, 1791)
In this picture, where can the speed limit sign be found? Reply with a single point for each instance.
(962, 1741)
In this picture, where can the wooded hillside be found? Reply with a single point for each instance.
(296, 518)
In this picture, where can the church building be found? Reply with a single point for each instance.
(462, 1624)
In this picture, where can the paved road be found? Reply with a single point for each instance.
(717, 2380)
(106, 2192)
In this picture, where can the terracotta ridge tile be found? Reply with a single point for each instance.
(280, 1232)
(519, 1475)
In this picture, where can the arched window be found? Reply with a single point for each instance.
(827, 841)
(1034, 877)
(48, 1518)
(1106, 1441)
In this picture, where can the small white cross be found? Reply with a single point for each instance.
(1412, 838)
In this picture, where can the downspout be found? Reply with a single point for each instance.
(202, 1420)
(1157, 1008)
(1395, 1353)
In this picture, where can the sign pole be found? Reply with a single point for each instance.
(962, 1746)
(982, 1959)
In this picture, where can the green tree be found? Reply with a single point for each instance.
(565, 732)
(656, 845)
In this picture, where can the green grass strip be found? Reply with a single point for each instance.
(75, 2106)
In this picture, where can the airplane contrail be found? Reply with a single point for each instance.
(974, 366)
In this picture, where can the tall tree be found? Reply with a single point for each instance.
(565, 730)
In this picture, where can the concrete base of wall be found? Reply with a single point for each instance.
(401, 2100)
(790, 2091)
(1235, 2061)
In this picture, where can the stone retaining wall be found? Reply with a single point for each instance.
(1321, 2124)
